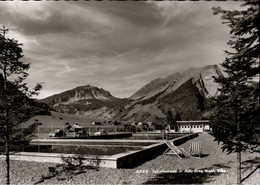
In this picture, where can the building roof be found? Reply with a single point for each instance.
(194, 121)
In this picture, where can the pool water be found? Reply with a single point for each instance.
(99, 143)
(83, 150)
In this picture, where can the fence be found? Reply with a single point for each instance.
(43, 132)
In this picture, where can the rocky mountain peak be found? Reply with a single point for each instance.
(89, 91)
(205, 82)
(86, 92)
(155, 86)
(202, 77)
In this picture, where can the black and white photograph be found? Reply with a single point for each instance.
(129, 92)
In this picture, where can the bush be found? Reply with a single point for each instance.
(74, 162)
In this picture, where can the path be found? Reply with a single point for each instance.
(214, 160)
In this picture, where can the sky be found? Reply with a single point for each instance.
(117, 46)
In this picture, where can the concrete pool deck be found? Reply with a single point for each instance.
(127, 159)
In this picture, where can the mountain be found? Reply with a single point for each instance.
(202, 78)
(187, 94)
(156, 86)
(87, 101)
(77, 94)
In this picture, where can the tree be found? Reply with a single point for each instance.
(171, 120)
(14, 95)
(235, 122)
(178, 116)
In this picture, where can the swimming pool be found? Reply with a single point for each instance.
(90, 150)
(124, 153)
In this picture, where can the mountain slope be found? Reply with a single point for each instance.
(77, 94)
(187, 93)
(155, 86)
(87, 101)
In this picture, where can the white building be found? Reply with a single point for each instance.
(193, 126)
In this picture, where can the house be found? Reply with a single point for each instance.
(76, 127)
(193, 126)
(96, 123)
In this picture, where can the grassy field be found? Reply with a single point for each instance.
(57, 119)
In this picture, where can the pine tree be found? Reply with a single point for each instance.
(14, 95)
(236, 119)
(171, 120)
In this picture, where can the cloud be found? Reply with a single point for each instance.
(37, 18)
(119, 46)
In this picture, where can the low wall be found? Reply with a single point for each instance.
(136, 158)
(157, 135)
(149, 152)
(105, 161)
(183, 139)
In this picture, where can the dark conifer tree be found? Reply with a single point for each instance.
(236, 119)
(171, 119)
(14, 96)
